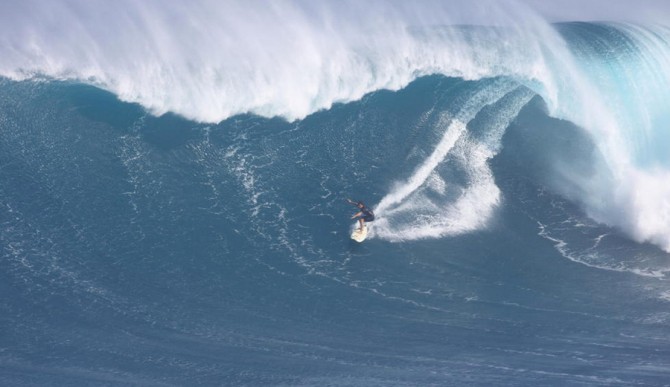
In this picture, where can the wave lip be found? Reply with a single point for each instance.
(211, 60)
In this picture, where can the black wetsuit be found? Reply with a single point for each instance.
(367, 215)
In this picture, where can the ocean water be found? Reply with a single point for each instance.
(173, 214)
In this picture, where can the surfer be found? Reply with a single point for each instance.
(364, 215)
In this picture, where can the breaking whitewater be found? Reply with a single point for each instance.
(172, 199)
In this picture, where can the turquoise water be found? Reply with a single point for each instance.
(143, 249)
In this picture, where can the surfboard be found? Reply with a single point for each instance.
(358, 235)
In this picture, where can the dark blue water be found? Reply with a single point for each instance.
(143, 250)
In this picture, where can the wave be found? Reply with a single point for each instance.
(212, 60)
(424, 199)
(293, 58)
(154, 248)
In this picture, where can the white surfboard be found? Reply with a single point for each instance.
(358, 235)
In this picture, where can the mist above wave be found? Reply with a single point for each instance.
(209, 60)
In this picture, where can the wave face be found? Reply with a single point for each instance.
(295, 58)
(172, 198)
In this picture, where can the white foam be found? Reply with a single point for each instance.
(210, 60)
(644, 200)
(594, 260)
(453, 133)
(408, 213)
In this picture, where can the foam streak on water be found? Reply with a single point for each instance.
(479, 196)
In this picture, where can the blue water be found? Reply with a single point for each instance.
(143, 249)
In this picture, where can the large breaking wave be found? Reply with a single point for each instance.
(211, 60)
(211, 246)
